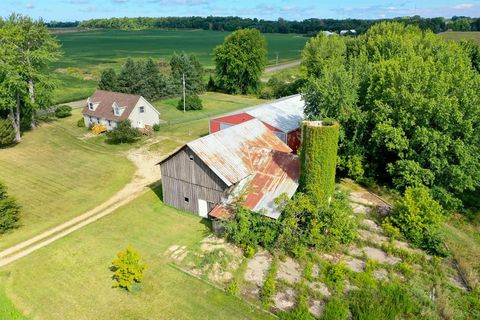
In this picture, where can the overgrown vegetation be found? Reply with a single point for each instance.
(128, 268)
(318, 158)
(302, 225)
(407, 102)
(9, 211)
(419, 218)
(123, 133)
(269, 289)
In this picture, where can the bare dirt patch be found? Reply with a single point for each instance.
(372, 237)
(380, 274)
(316, 308)
(217, 274)
(285, 300)
(356, 265)
(371, 225)
(320, 288)
(289, 271)
(257, 268)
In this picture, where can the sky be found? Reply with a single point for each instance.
(70, 10)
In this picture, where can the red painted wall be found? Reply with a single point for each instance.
(293, 140)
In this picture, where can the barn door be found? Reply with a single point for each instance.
(202, 208)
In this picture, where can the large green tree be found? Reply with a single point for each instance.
(409, 106)
(26, 48)
(240, 60)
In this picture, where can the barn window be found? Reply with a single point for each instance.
(187, 200)
(191, 157)
(142, 109)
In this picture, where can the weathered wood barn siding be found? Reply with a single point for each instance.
(184, 175)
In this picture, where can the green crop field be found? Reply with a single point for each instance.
(87, 53)
(457, 36)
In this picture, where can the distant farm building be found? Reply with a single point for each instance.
(246, 161)
(282, 116)
(109, 108)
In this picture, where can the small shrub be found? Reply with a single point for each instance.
(156, 127)
(390, 231)
(192, 102)
(308, 271)
(336, 309)
(123, 133)
(371, 265)
(128, 268)
(335, 275)
(9, 211)
(233, 289)
(248, 251)
(81, 123)
(418, 216)
(7, 133)
(63, 111)
(269, 288)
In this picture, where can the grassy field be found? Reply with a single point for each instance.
(457, 36)
(87, 53)
(54, 171)
(71, 278)
(55, 176)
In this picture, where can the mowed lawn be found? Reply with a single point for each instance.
(55, 175)
(70, 279)
(86, 54)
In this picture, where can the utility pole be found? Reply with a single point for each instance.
(183, 76)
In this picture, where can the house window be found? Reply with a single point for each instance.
(90, 106)
(89, 119)
(98, 120)
(109, 123)
(142, 109)
(186, 200)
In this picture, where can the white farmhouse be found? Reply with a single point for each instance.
(109, 108)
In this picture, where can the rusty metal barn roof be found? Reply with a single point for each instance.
(253, 161)
(229, 152)
(285, 114)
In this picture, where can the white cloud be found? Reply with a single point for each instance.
(463, 6)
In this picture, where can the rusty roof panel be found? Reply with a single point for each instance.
(229, 152)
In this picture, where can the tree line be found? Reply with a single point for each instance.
(408, 105)
(307, 26)
(154, 80)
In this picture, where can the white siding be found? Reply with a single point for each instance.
(149, 117)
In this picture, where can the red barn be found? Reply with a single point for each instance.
(282, 116)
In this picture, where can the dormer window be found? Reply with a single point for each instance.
(91, 105)
(117, 110)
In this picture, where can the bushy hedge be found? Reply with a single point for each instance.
(318, 158)
(81, 123)
(63, 111)
(418, 216)
(123, 133)
(192, 102)
(9, 211)
(301, 225)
